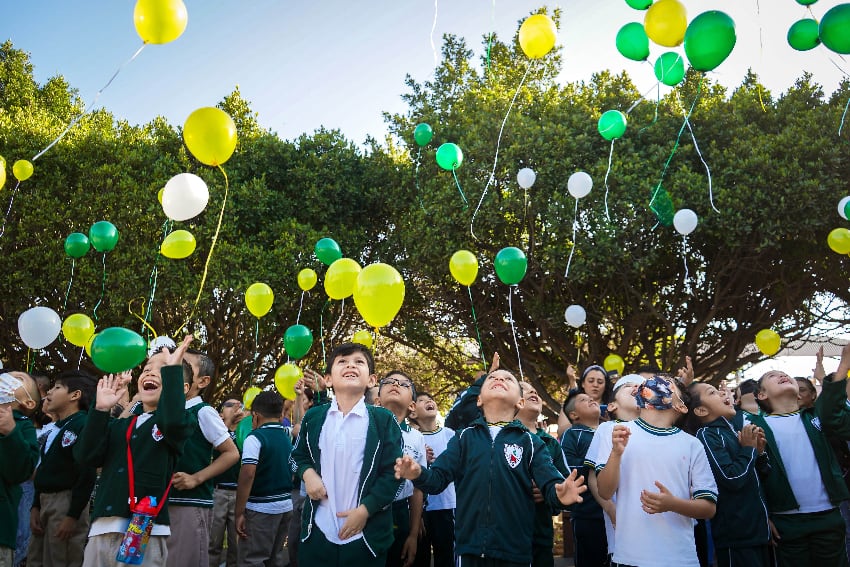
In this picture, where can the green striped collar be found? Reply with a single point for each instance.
(656, 430)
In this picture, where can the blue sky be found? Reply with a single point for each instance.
(309, 63)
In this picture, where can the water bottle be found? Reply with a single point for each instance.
(132, 550)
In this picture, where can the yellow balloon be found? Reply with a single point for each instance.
(78, 329)
(259, 298)
(285, 378)
(249, 395)
(839, 240)
(160, 21)
(537, 35)
(378, 294)
(363, 337)
(307, 279)
(178, 245)
(340, 278)
(464, 267)
(768, 342)
(89, 343)
(159, 195)
(665, 22)
(2, 172)
(210, 135)
(614, 362)
(22, 170)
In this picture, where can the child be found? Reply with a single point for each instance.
(156, 438)
(345, 453)
(745, 402)
(650, 452)
(60, 514)
(544, 535)
(224, 493)
(190, 502)
(805, 487)
(739, 528)
(493, 463)
(591, 547)
(18, 452)
(439, 516)
(263, 499)
(396, 393)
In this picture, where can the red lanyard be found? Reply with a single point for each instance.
(131, 477)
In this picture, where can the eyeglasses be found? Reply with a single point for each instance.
(396, 382)
(231, 404)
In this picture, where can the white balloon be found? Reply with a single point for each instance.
(579, 184)
(185, 196)
(685, 221)
(575, 316)
(39, 326)
(526, 177)
(841, 204)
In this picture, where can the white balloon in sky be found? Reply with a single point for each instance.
(575, 316)
(39, 326)
(841, 204)
(579, 184)
(685, 221)
(526, 177)
(185, 196)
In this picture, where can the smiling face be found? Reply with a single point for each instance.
(59, 400)
(533, 405)
(426, 407)
(713, 403)
(776, 384)
(350, 373)
(500, 388)
(585, 410)
(593, 384)
(150, 381)
(624, 407)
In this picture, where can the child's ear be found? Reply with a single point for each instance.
(573, 417)
(700, 411)
(203, 382)
(75, 395)
(373, 379)
(411, 407)
(186, 388)
(520, 403)
(478, 403)
(327, 380)
(377, 402)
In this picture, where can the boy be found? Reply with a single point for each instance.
(190, 503)
(439, 516)
(156, 438)
(59, 519)
(224, 493)
(543, 537)
(650, 452)
(345, 454)
(18, 452)
(805, 487)
(493, 464)
(740, 527)
(263, 498)
(591, 547)
(396, 393)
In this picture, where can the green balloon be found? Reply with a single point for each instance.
(662, 207)
(670, 68)
(327, 251)
(632, 42)
(423, 134)
(117, 349)
(835, 29)
(510, 265)
(709, 40)
(612, 124)
(639, 4)
(803, 34)
(806, 2)
(77, 245)
(297, 341)
(449, 156)
(103, 236)
(847, 209)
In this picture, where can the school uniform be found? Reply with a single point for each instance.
(543, 536)
(414, 445)
(18, 457)
(439, 515)
(63, 488)
(586, 517)
(224, 514)
(361, 449)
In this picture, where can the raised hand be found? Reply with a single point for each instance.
(110, 390)
(686, 373)
(569, 492)
(176, 358)
(620, 438)
(406, 467)
(748, 436)
(495, 364)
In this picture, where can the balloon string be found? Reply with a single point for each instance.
(322, 331)
(300, 306)
(416, 177)
(513, 330)
(498, 144)
(433, 28)
(685, 259)
(30, 365)
(676, 145)
(339, 319)
(375, 342)
(657, 104)
(210, 254)
(657, 85)
(9, 208)
(256, 349)
(702, 159)
(152, 280)
(70, 281)
(607, 172)
(80, 359)
(102, 288)
(843, 116)
(139, 316)
(462, 196)
(477, 331)
(761, 53)
(89, 107)
(573, 249)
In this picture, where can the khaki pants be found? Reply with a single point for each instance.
(264, 545)
(189, 542)
(102, 549)
(48, 551)
(223, 520)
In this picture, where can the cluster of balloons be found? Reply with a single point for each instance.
(768, 342)
(833, 30)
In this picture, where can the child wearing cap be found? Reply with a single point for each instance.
(651, 461)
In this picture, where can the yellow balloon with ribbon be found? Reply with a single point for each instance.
(160, 21)
(666, 22)
(307, 279)
(768, 342)
(285, 379)
(178, 245)
(78, 329)
(259, 298)
(537, 35)
(22, 170)
(364, 338)
(378, 294)
(464, 267)
(89, 343)
(614, 362)
(340, 278)
(249, 395)
(210, 135)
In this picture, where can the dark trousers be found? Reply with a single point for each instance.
(754, 556)
(401, 529)
(317, 550)
(439, 535)
(474, 561)
(591, 543)
(815, 539)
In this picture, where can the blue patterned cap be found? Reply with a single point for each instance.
(656, 393)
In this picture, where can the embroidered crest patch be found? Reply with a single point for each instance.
(816, 423)
(68, 438)
(513, 454)
(156, 433)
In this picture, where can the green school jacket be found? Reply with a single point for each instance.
(575, 443)
(18, 456)
(197, 455)
(544, 531)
